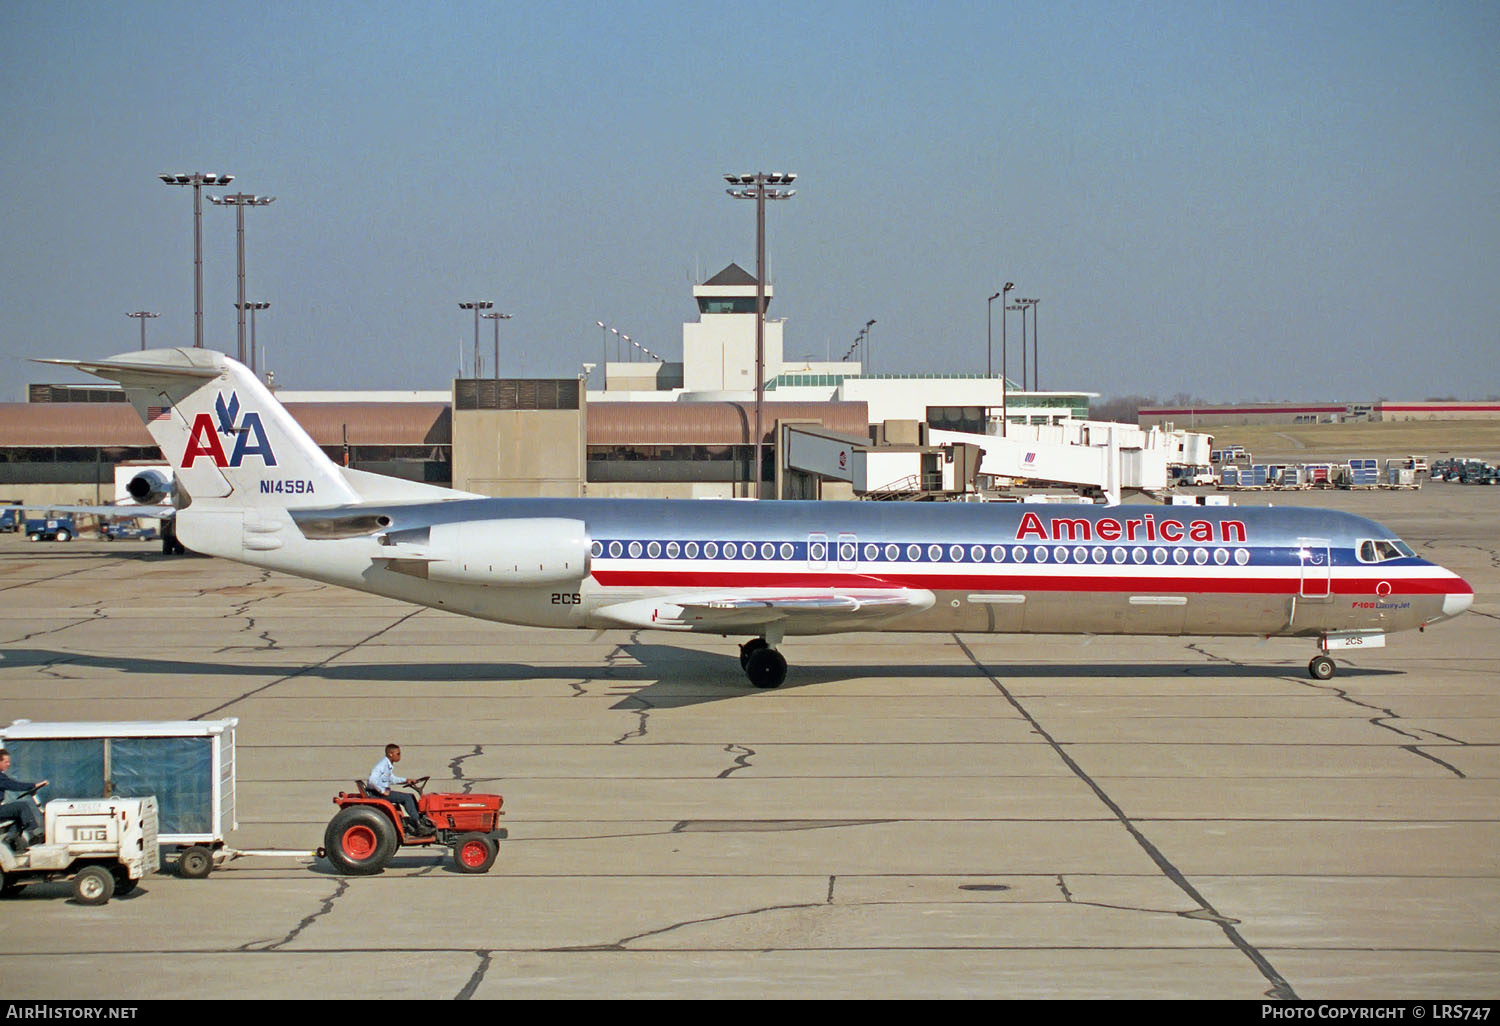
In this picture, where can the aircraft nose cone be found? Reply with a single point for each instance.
(1456, 602)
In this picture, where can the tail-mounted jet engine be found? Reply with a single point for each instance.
(151, 487)
(515, 552)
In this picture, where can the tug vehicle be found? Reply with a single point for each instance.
(105, 846)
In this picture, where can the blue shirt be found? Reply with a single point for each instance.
(9, 783)
(383, 776)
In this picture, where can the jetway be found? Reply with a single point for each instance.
(1111, 458)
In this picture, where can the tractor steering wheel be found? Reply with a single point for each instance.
(418, 784)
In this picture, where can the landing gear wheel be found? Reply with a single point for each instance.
(766, 668)
(195, 863)
(748, 649)
(474, 853)
(94, 885)
(359, 840)
(1321, 668)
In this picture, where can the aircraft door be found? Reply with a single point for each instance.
(1317, 568)
(817, 551)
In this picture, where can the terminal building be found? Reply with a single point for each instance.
(652, 429)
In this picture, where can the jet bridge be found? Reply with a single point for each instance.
(1111, 458)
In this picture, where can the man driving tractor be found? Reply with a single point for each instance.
(383, 776)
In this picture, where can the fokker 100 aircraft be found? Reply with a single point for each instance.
(252, 486)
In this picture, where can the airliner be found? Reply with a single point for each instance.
(252, 486)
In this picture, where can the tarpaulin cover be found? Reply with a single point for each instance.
(177, 770)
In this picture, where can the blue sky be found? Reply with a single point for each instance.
(1238, 201)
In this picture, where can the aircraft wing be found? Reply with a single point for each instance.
(798, 612)
(160, 512)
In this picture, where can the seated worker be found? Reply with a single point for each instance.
(23, 809)
(379, 785)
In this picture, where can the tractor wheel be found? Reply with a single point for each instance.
(94, 885)
(195, 863)
(360, 840)
(474, 853)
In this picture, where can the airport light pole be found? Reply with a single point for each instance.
(1022, 309)
(1025, 304)
(197, 179)
(604, 345)
(1004, 353)
(497, 317)
(142, 316)
(252, 306)
(476, 305)
(239, 201)
(759, 187)
(1036, 360)
(989, 335)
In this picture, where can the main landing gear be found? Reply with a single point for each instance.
(765, 666)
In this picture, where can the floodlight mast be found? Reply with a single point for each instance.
(197, 179)
(758, 186)
(497, 317)
(1004, 353)
(476, 305)
(253, 306)
(239, 201)
(142, 315)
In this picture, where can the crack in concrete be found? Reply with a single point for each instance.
(466, 992)
(324, 908)
(53, 630)
(456, 767)
(741, 761)
(310, 667)
(55, 577)
(1279, 987)
(1391, 714)
(1206, 915)
(622, 943)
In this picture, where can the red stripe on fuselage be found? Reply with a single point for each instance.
(1220, 585)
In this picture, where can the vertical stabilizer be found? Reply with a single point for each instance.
(230, 443)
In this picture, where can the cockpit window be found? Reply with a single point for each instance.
(1379, 550)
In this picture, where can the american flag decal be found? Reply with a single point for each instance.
(157, 412)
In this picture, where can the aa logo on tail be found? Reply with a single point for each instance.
(249, 436)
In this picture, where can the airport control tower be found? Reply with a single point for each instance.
(718, 350)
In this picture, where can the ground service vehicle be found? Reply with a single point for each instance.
(366, 831)
(125, 529)
(188, 767)
(105, 846)
(53, 527)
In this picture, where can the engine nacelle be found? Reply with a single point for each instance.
(515, 552)
(151, 487)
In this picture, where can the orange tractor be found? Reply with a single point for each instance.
(366, 831)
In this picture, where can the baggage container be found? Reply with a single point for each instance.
(189, 766)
